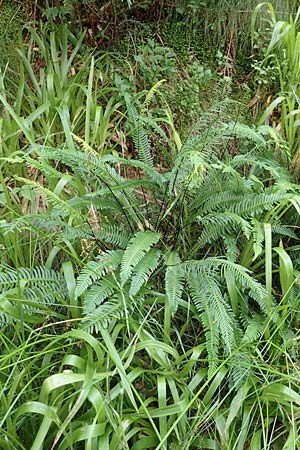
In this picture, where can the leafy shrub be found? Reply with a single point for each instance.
(154, 63)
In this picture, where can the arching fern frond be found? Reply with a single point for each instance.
(97, 293)
(95, 270)
(216, 226)
(112, 234)
(99, 317)
(34, 290)
(144, 269)
(150, 94)
(217, 266)
(50, 196)
(206, 292)
(138, 246)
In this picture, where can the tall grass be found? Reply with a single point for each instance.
(283, 55)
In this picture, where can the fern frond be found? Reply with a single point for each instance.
(257, 203)
(86, 147)
(212, 338)
(138, 246)
(99, 317)
(112, 234)
(206, 292)
(95, 270)
(139, 135)
(38, 275)
(284, 230)
(150, 94)
(254, 329)
(151, 172)
(96, 295)
(50, 196)
(216, 225)
(35, 290)
(232, 250)
(174, 281)
(277, 171)
(144, 269)
(243, 131)
(217, 266)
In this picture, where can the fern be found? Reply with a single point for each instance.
(150, 94)
(37, 290)
(151, 172)
(102, 315)
(277, 171)
(138, 246)
(216, 266)
(174, 282)
(113, 235)
(95, 270)
(96, 295)
(139, 135)
(143, 270)
(206, 292)
(50, 196)
(215, 224)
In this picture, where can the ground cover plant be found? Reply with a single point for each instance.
(149, 282)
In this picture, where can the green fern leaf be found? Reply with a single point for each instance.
(95, 270)
(217, 266)
(215, 225)
(143, 270)
(97, 293)
(139, 135)
(150, 94)
(206, 292)
(50, 196)
(212, 339)
(138, 246)
(174, 282)
(100, 317)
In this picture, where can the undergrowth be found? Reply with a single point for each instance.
(149, 283)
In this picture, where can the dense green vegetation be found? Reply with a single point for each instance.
(149, 225)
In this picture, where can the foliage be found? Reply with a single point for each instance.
(149, 293)
(58, 97)
(154, 63)
(282, 56)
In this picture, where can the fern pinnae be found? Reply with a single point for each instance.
(86, 147)
(100, 316)
(218, 266)
(150, 94)
(206, 292)
(112, 234)
(174, 282)
(144, 269)
(215, 224)
(50, 196)
(95, 270)
(97, 294)
(151, 172)
(138, 246)
(139, 135)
